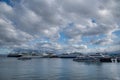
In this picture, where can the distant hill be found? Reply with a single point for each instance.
(41, 50)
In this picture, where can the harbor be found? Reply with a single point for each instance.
(76, 56)
(59, 39)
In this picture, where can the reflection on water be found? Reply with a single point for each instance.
(57, 69)
(114, 69)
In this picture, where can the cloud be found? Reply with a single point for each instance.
(103, 42)
(25, 21)
(89, 30)
(9, 35)
(80, 46)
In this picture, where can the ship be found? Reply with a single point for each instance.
(69, 55)
(24, 58)
(14, 55)
(98, 57)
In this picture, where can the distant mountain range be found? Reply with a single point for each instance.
(42, 50)
(47, 50)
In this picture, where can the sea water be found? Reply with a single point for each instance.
(56, 69)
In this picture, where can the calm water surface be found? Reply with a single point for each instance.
(57, 69)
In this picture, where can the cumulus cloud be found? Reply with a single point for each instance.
(103, 41)
(10, 35)
(23, 22)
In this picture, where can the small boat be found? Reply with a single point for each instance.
(35, 57)
(14, 55)
(24, 58)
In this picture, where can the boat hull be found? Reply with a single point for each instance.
(97, 59)
(24, 58)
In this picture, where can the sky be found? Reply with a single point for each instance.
(61, 25)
